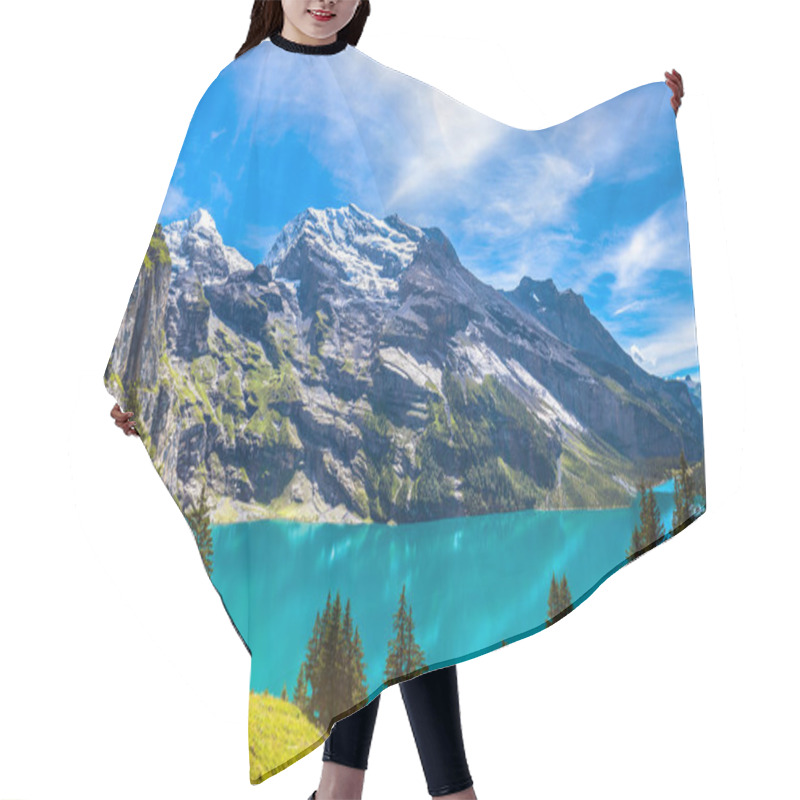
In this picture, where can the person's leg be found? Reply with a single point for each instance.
(433, 710)
(346, 753)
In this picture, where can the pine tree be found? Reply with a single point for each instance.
(700, 482)
(199, 519)
(310, 668)
(355, 679)
(677, 492)
(329, 686)
(335, 649)
(405, 655)
(553, 601)
(559, 602)
(638, 541)
(565, 596)
(300, 696)
(359, 673)
(689, 488)
(284, 693)
(334, 666)
(655, 528)
(683, 495)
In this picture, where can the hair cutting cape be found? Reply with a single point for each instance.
(419, 381)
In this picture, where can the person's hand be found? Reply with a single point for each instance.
(675, 82)
(122, 419)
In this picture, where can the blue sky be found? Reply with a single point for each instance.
(596, 203)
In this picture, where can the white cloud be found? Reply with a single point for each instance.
(410, 148)
(175, 203)
(219, 189)
(503, 263)
(641, 359)
(643, 251)
(657, 243)
(672, 348)
(636, 305)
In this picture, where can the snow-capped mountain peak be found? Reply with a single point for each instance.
(196, 243)
(369, 253)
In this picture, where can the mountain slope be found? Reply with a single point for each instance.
(361, 372)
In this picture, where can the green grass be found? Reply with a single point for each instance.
(278, 732)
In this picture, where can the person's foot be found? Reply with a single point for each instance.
(339, 782)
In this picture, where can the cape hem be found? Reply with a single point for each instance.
(476, 653)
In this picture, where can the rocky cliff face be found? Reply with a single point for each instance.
(655, 413)
(361, 372)
(133, 368)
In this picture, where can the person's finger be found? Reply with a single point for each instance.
(123, 416)
(676, 78)
(118, 413)
(127, 425)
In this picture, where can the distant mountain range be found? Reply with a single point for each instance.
(694, 391)
(567, 316)
(362, 372)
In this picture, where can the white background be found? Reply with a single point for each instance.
(120, 673)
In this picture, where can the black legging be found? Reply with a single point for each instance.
(432, 706)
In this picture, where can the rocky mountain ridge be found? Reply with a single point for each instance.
(361, 372)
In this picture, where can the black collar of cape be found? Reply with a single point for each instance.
(310, 49)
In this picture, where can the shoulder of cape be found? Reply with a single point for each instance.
(245, 61)
(362, 62)
(657, 92)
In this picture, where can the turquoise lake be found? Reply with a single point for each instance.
(470, 581)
